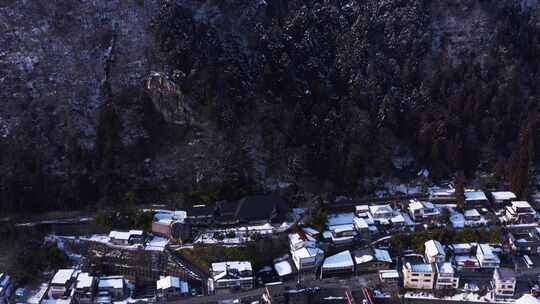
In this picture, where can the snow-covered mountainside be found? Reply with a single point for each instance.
(106, 97)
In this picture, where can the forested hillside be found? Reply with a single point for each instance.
(107, 102)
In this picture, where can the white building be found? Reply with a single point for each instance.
(380, 215)
(237, 274)
(501, 198)
(457, 219)
(342, 228)
(418, 276)
(446, 278)
(62, 282)
(282, 267)
(475, 199)
(520, 212)
(486, 257)
(503, 283)
(423, 210)
(307, 258)
(442, 193)
(298, 240)
(169, 288)
(305, 254)
(473, 218)
(389, 276)
(84, 288)
(112, 286)
(126, 238)
(461, 248)
(434, 252)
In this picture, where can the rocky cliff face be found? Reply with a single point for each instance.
(105, 97)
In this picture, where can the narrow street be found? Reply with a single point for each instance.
(355, 283)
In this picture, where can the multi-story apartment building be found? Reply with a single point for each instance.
(446, 277)
(486, 257)
(305, 254)
(84, 288)
(237, 274)
(503, 283)
(520, 212)
(418, 276)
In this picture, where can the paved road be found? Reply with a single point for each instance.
(355, 283)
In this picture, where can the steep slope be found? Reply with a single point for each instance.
(101, 98)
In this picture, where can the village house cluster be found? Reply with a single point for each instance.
(356, 241)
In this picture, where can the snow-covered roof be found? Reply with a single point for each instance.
(342, 228)
(62, 276)
(307, 252)
(434, 248)
(340, 219)
(340, 260)
(157, 244)
(168, 216)
(461, 247)
(398, 219)
(429, 205)
(299, 239)
(420, 267)
(5, 280)
(380, 209)
(310, 231)
(441, 191)
(521, 204)
(362, 208)
(472, 213)
(382, 255)
(487, 251)
(174, 282)
(389, 274)
(84, 280)
(283, 268)
(527, 299)
(408, 220)
(363, 258)
(458, 220)
(115, 282)
(121, 235)
(445, 267)
(360, 223)
(327, 234)
(238, 265)
(415, 205)
(295, 238)
(475, 196)
(503, 195)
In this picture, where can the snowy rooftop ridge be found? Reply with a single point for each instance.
(84, 280)
(62, 276)
(503, 195)
(434, 248)
(238, 265)
(172, 282)
(339, 260)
